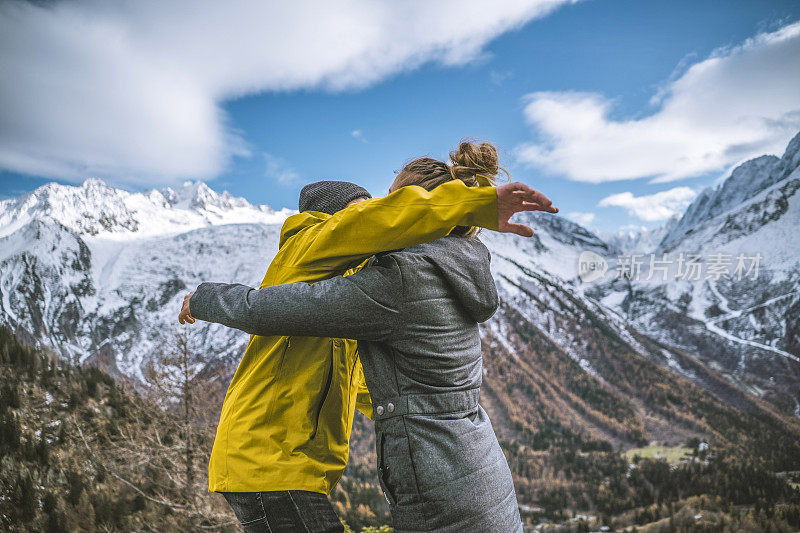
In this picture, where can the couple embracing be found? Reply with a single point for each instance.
(370, 304)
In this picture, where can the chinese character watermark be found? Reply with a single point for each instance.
(662, 267)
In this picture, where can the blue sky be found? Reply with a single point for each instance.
(616, 53)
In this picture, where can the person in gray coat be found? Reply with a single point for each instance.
(415, 313)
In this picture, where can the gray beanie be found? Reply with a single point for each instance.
(330, 196)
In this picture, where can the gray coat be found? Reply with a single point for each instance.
(415, 313)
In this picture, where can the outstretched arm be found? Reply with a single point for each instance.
(363, 306)
(407, 217)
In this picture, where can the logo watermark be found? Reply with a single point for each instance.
(591, 266)
(663, 267)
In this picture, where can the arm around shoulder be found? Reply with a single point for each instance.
(364, 306)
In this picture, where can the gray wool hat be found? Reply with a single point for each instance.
(330, 196)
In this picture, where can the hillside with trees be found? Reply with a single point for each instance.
(82, 451)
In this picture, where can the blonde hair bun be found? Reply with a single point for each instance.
(468, 160)
(472, 158)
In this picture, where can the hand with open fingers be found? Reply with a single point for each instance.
(185, 315)
(516, 197)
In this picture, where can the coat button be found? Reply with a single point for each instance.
(390, 408)
(379, 409)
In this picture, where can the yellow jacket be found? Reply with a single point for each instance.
(288, 412)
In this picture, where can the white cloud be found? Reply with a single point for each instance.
(132, 90)
(359, 134)
(498, 78)
(279, 169)
(652, 207)
(584, 219)
(740, 102)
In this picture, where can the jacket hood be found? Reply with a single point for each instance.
(297, 223)
(464, 263)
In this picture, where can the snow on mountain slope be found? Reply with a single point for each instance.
(745, 323)
(142, 284)
(96, 270)
(554, 247)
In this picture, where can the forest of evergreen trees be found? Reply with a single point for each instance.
(81, 451)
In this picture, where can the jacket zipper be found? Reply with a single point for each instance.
(271, 411)
(350, 388)
(324, 397)
(283, 357)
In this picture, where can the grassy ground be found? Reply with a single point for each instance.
(671, 454)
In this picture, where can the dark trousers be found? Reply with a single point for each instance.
(287, 511)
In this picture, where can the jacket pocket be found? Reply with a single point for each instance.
(324, 397)
(276, 385)
(449, 447)
(383, 471)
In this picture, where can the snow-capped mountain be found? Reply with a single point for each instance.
(640, 240)
(95, 271)
(98, 273)
(95, 209)
(748, 180)
(739, 309)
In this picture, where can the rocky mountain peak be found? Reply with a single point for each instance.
(745, 182)
(791, 157)
(94, 208)
(793, 149)
(197, 195)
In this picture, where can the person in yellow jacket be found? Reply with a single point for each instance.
(288, 412)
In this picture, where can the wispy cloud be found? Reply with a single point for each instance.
(498, 78)
(132, 90)
(278, 169)
(358, 134)
(740, 102)
(652, 207)
(584, 219)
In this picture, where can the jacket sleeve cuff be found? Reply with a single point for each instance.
(198, 304)
(487, 216)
